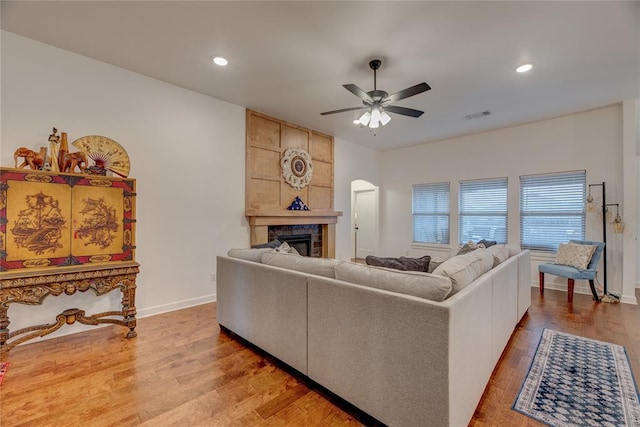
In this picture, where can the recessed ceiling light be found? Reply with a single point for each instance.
(219, 60)
(524, 68)
(356, 122)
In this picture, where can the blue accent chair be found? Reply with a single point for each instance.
(572, 273)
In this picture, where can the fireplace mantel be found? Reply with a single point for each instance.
(280, 217)
(260, 220)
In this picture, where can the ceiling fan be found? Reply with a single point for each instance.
(377, 102)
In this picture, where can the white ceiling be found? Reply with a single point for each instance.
(290, 59)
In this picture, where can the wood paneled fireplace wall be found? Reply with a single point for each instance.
(268, 195)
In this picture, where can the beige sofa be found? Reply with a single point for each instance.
(403, 359)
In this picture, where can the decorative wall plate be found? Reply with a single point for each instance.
(105, 152)
(297, 168)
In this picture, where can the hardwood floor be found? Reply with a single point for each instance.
(182, 370)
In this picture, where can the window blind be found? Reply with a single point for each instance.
(552, 209)
(431, 213)
(483, 210)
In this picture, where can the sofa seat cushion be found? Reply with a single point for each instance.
(415, 283)
(304, 264)
(464, 269)
(565, 271)
(402, 263)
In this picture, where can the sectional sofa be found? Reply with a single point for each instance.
(380, 343)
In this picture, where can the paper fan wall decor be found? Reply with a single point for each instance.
(105, 152)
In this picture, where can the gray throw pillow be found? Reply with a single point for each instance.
(272, 244)
(486, 242)
(402, 263)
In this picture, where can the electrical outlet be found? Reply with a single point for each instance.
(213, 277)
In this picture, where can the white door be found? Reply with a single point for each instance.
(365, 213)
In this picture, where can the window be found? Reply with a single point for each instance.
(431, 213)
(551, 209)
(483, 210)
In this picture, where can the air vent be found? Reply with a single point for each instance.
(478, 115)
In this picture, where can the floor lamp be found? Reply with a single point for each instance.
(618, 227)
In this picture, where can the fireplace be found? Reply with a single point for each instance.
(301, 242)
(266, 225)
(306, 238)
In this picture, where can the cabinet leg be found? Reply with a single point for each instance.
(4, 332)
(129, 307)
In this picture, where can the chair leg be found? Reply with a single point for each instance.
(593, 291)
(541, 280)
(571, 285)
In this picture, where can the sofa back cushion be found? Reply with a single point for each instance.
(415, 283)
(464, 269)
(247, 254)
(310, 265)
(500, 253)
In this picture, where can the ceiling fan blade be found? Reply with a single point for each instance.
(406, 93)
(403, 110)
(343, 110)
(358, 92)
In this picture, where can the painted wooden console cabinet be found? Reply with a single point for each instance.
(61, 233)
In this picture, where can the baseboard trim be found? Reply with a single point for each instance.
(628, 299)
(585, 290)
(178, 305)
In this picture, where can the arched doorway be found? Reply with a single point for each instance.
(364, 219)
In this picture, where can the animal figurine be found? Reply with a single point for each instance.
(32, 158)
(72, 160)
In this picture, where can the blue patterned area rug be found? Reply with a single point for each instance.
(575, 381)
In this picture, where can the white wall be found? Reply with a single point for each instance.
(591, 141)
(186, 151)
(352, 162)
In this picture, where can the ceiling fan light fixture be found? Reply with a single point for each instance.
(375, 118)
(364, 119)
(384, 118)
